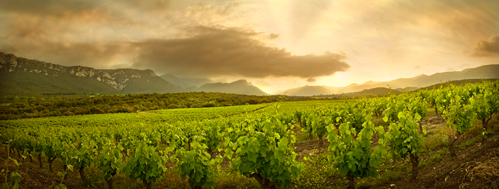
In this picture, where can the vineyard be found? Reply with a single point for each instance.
(369, 142)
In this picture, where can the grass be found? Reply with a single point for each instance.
(318, 173)
(431, 112)
(303, 137)
(438, 137)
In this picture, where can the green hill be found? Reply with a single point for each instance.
(21, 76)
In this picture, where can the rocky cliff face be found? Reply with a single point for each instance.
(116, 78)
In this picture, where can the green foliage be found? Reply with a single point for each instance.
(110, 159)
(459, 116)
(351, 150)
(318, 172)
(404, 137)
(265, 148)
(21, 108)
(14, 175)
(485, 104)
(198, 165)
(259, 140)
(82, 156)
(145, 163)
(395, 105)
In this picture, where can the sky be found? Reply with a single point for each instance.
(275, 44)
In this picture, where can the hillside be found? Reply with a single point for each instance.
(378, 91)
(308, 91)
(482, 72)
(22, 76)
(185, 82)
(33, 77)
(237, 87)
(457, 82)
(478, 73)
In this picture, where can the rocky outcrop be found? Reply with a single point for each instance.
(116, 78)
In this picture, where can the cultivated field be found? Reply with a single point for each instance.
(439, 138)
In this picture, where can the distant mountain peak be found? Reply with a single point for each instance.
(423, 80)
(420, 76)
(242, 81)
(241, 86)
(24, 75)
(308, 90)
(186, 83)
(370, 82)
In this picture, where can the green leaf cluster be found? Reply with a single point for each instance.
(198, 165)
(404, 136)
(145, 163)
(110, 159)
(265, 148)
(351, 150)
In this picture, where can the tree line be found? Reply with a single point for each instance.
(32, 107)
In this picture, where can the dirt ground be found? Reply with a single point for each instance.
(34, 177)
(476, 166)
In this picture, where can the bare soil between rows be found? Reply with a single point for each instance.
(476, 166)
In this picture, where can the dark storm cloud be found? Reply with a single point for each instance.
(487, 48)
(55, 7)
(96, 55)
(219, 51)
(82, 11)
(45, 8)
(70, 32)
(46, 40)
(151, 5)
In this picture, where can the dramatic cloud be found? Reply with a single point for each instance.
(44, 8)
(280, 42)
(59, 7)
(98, 55)
(45, 40)
(215, 51)
(487, 48)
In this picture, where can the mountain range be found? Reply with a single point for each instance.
(185, 83)
(22, 76)
(414, 83)
(238, 87)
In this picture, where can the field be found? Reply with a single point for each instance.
(432, 138)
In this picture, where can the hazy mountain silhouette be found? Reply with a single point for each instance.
(185, 82)
(237, 87)
(482, 72)
(309, 91)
